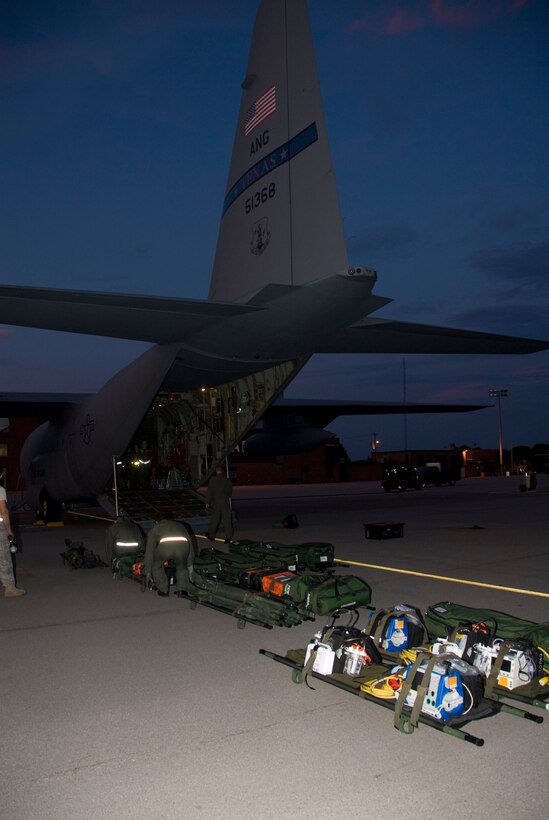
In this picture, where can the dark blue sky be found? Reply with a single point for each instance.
(116, 131)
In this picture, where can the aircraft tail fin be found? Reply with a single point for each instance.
(281, 221)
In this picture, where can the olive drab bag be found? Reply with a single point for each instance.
(443, 617)
(338, 592)
(309, 555)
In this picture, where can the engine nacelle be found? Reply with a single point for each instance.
(45, 469)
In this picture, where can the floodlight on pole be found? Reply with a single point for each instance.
(499, 394)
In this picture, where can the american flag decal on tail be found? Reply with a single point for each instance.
(260, 110)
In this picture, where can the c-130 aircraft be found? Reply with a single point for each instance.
(281, 290)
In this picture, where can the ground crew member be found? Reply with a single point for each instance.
(6, 564)
(141, 467)
(219, 495)
(124, 537)
(168, 541)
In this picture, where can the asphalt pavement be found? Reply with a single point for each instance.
(119, 703)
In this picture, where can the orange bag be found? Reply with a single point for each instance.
(274, 584)
(138, 569)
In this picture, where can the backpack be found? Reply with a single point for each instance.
(78, 557)
(396, 628)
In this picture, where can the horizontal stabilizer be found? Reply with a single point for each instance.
(388, 336)
(120, 316)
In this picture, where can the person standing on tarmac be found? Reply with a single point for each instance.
(168, 541)
(6, 566)
(218, 504)
(124, 537)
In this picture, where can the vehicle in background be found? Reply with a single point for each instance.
(431, 475)
(401, 479)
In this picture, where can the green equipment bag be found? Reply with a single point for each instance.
(122, 564)
(309, 555)
(245, 546)
(207, 562)
(234, 567)
(270, 553)
(441, 619)
(78, 557)
(231, 566)
(299, 587)
(314, 554)
(338, 592)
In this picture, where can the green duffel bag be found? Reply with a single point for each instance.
(338, 592)
(272, 553)
(234, 565)
(299, 588)
(121, 565)
(314, 554)
(207, 563)
(441, 619)
(310, 555)
(246, 545)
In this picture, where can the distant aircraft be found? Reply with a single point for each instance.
(281, 290)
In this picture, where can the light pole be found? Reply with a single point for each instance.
(499, 394)
(375, 442)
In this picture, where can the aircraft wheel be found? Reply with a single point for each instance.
(50, 510)
(297, 676)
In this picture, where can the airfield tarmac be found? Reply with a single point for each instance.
(117, 703)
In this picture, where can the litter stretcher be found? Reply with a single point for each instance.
(441, 691)
(266, 584)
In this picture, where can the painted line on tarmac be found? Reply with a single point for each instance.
(90, 515)
(444, 578)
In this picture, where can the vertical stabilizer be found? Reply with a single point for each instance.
(281, 221)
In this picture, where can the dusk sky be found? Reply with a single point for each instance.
(116, 130)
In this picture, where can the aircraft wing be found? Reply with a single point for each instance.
(121, 316)
(389, 336)
(322, 412)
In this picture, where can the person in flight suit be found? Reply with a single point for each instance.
(6, 566)
(218, 503)
(124, 537)
(169, 541)
(141, 467)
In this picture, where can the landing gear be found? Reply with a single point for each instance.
(50, 511)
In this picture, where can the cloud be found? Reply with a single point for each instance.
(385, 241)
(471, 14)
(399, 19)
(526, 262)
(392, 19)
(524, 219)
(53, 54)
(502, 317)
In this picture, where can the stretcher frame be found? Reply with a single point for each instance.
(405, 725)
